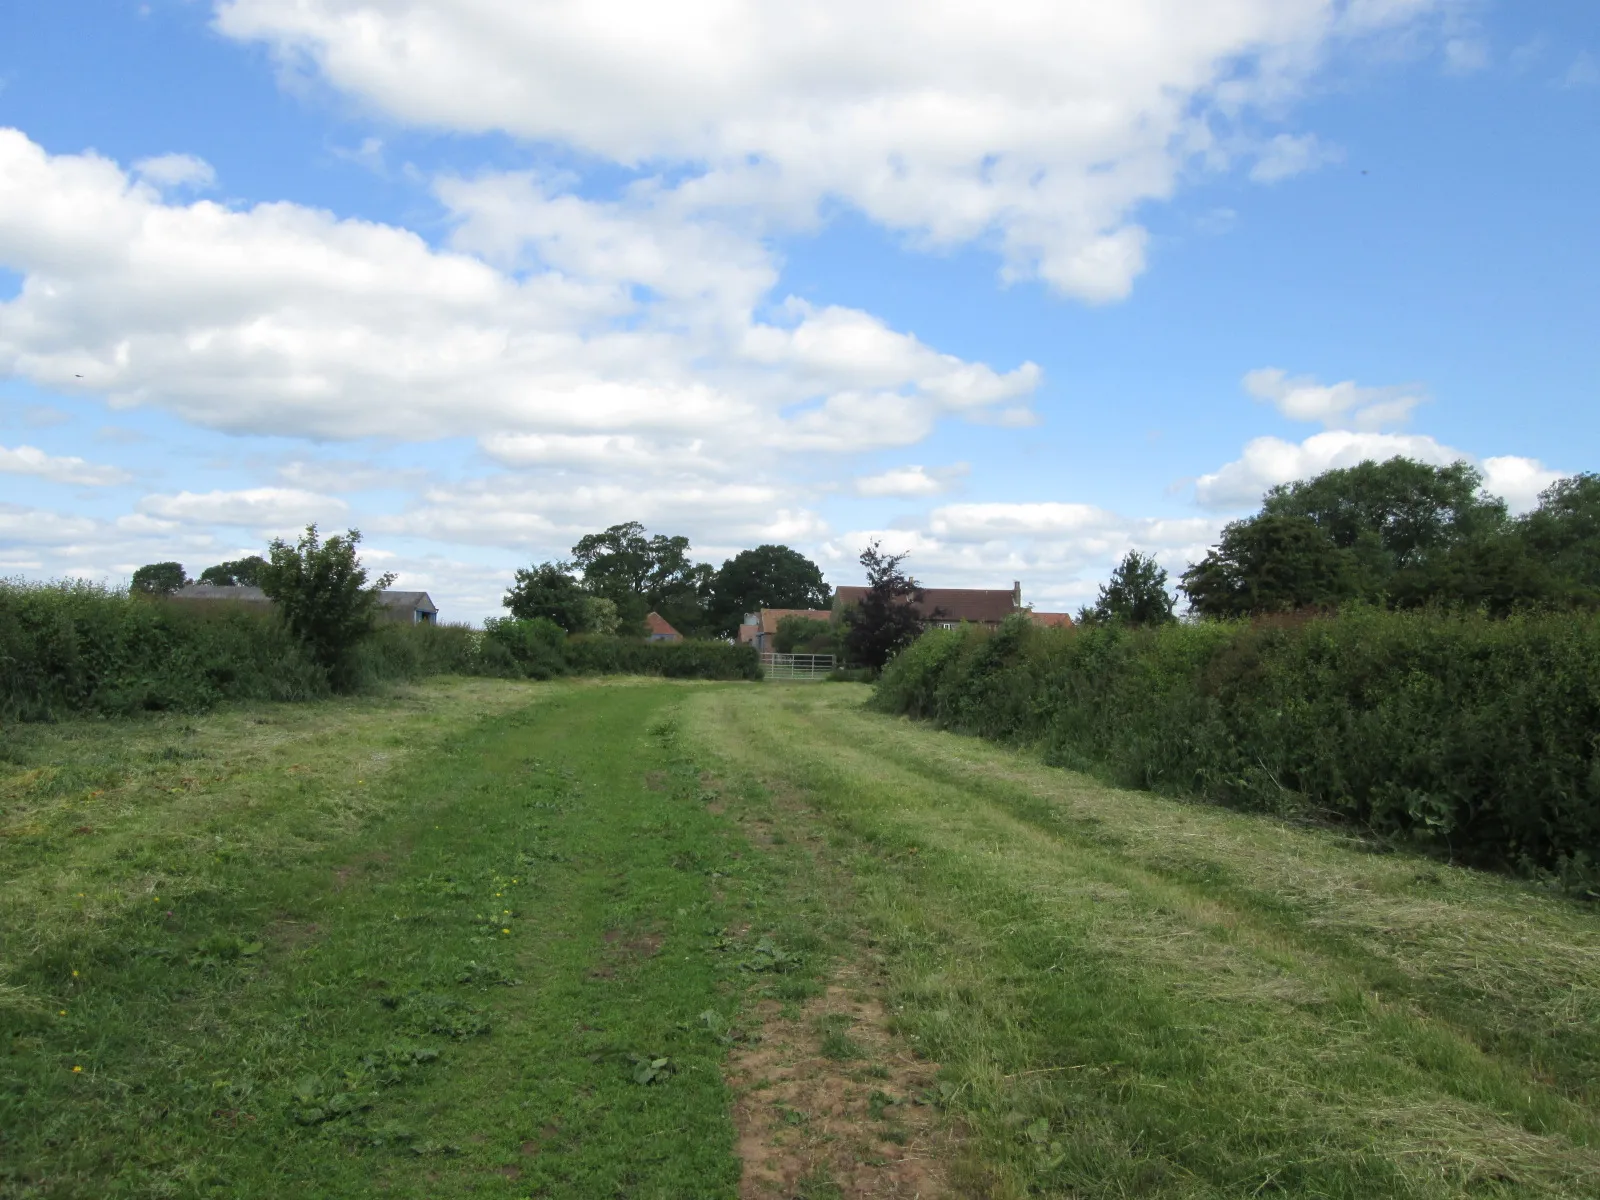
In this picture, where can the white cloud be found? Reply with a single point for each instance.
(1517, 480)
(30, 460)
(1269, 461)
(1288, 154)
(176, 171)
(344, 475)
(19, 524)
(1060, 552)
(547, 514)
(1344, 405)
(910, 481)
(284, 320)
(1042, 126)
(264, 507)
(1354, 417)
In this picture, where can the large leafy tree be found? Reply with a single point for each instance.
(766, 577)
(321, 593)
(1392, 514)
(640, 573)
(1564, 531)
(1270, 564)
(238, 572)
(1135, 595)
(549, 591)
(159, 579)
(885, 621)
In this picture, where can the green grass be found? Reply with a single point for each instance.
(496, 938)
(1133, 996)
(462, 941)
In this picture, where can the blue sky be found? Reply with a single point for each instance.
(1013, 295)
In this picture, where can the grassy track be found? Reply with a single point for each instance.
(292, 972)
(1134, 997)
(440, 944)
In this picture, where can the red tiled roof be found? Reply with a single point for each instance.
(981, 605)
(1052, 620)
(771, 616)
(658, 627)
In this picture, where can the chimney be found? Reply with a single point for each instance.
(1016, 593)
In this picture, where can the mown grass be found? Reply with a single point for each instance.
(1134, 996)
(482, 938)
(495, 938)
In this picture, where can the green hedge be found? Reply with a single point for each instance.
(1476, 736)
(78, 647)
(82, 648)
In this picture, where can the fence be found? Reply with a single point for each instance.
(803, 667)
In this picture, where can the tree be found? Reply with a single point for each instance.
(766, 577)
(548, 590)
(1270, 564)
(1564, 531)
(321, 593)
(1136, 594)
(239, 572)
(640, 574)
(803, 635)
(1392, 514)
(159, 579)
(886, 620)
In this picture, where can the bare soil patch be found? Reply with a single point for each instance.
(832, 1097)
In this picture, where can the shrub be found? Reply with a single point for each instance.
(531, 647)
(1475, 736)
(319, 591)
(672, 660)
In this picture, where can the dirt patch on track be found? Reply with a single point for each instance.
(830, 1102)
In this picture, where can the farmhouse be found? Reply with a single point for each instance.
(946, 608)
(407, 608)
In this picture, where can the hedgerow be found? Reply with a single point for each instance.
(1478, 737)
(73, 647)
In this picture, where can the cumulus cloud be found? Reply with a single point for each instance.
(264, 507)
(1354, 417)
(1344, 405)
(602, 320)
(1042, 127)
(1517, 480)
(30, 460)
(1269, 461)
(176, 171)
(911, 481)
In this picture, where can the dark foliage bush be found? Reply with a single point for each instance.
(78, 647)
(1478, 737)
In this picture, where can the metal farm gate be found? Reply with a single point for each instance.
(808, 668)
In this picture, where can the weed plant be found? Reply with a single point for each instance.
(1474, 737)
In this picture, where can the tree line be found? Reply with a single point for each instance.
(616, 577)
(1399, 534)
